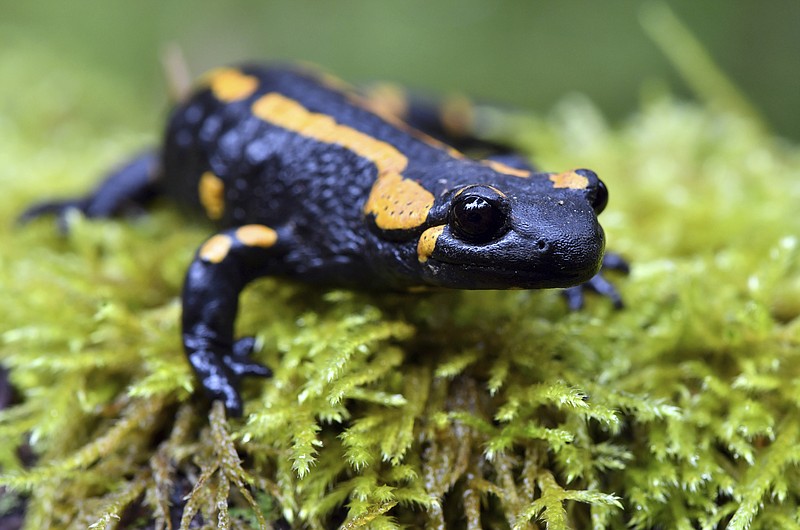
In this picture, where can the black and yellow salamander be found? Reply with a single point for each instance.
(309, 180)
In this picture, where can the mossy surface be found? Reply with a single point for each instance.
(456, 409)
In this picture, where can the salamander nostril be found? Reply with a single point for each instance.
(541, 245)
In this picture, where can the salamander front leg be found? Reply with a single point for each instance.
(599, 284)
(223, 266)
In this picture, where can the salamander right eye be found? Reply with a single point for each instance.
(478, 217)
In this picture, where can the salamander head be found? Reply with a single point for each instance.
(526, 233)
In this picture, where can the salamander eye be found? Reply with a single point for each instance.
(599, 198)
(598, 193)
(476, 218)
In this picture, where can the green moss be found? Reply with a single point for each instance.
(464, 409)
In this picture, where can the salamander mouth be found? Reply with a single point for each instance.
(464, 275)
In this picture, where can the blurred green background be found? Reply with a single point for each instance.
(521, 52)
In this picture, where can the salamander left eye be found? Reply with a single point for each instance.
(477, 219)
(600, 198)
(598, 193)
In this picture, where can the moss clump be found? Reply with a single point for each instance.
(473, 409)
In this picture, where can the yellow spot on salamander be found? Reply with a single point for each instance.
(458, 116)
(212, 195)
(506, 169)
(569, 179)
(216, 249)
(387, 99)
(257, 236)
(229, 84)
(397, 203)
(324, 78)
(427, 242)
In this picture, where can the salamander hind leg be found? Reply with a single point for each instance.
(512, 160)
(221, 269)
(132, 185)
(455, 120)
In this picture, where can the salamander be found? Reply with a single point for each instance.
(311, 180)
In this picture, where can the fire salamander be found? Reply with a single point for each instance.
(310, 180)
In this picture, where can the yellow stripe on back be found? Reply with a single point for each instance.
(289, 114)
(397, 203)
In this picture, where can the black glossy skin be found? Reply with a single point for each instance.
(312, 194)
